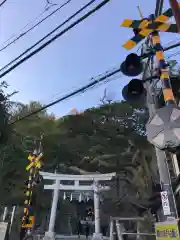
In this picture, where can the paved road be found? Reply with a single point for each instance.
(75, 237)
(72, 237)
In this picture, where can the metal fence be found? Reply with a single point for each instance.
(117, 229)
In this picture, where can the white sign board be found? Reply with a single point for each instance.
(165, 203)
(3, 229)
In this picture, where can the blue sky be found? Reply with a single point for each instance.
(91, 48)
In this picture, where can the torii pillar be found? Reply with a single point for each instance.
(50, 234)
(95, 187)
(97, 233)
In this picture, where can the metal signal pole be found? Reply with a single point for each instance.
(176, 12)
(152, 105)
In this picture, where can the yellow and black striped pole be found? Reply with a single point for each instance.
(164, 71)
(28, 194)
(33, 168)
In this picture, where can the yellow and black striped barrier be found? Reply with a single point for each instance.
(144, 27)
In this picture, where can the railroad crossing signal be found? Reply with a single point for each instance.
(132, 66)
(29, 222)
(134, 91)
(35, 161)
(142, 28)
(163, 129)
(33, 167)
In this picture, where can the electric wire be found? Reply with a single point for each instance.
(2, 3)
(79, 20)
(69, 95)
(47, 43)
(90, 85)
(79, 90)
(49, 34)
(82, 89)
(60, 34)
(73, 88)
(165, 49)
(14, 35)
(172, 41)
(173, 55)
(30, 22)
(35, 25)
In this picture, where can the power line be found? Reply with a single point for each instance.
(173, 54)
(79, 90)
(64, 31)
(57, 95)
(51, 40)
(82, 89)
(44, 45)
(172, 46)
(172, 41)
(14, 35)
(36, 25)
(151, 53)
(32, 21)
(2, 3)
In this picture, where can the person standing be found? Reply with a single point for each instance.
(87, 229)
(22, 233)
(79, 228)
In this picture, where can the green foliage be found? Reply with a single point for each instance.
(105, 139)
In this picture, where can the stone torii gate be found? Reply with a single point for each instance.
(96, 187)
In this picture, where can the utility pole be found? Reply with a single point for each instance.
(164, 123)
(176, 12)
(161, 155)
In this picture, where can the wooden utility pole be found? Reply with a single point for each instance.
(176, 12)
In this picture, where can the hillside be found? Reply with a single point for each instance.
(108, 138)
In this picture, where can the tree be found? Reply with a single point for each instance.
(109, 138)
